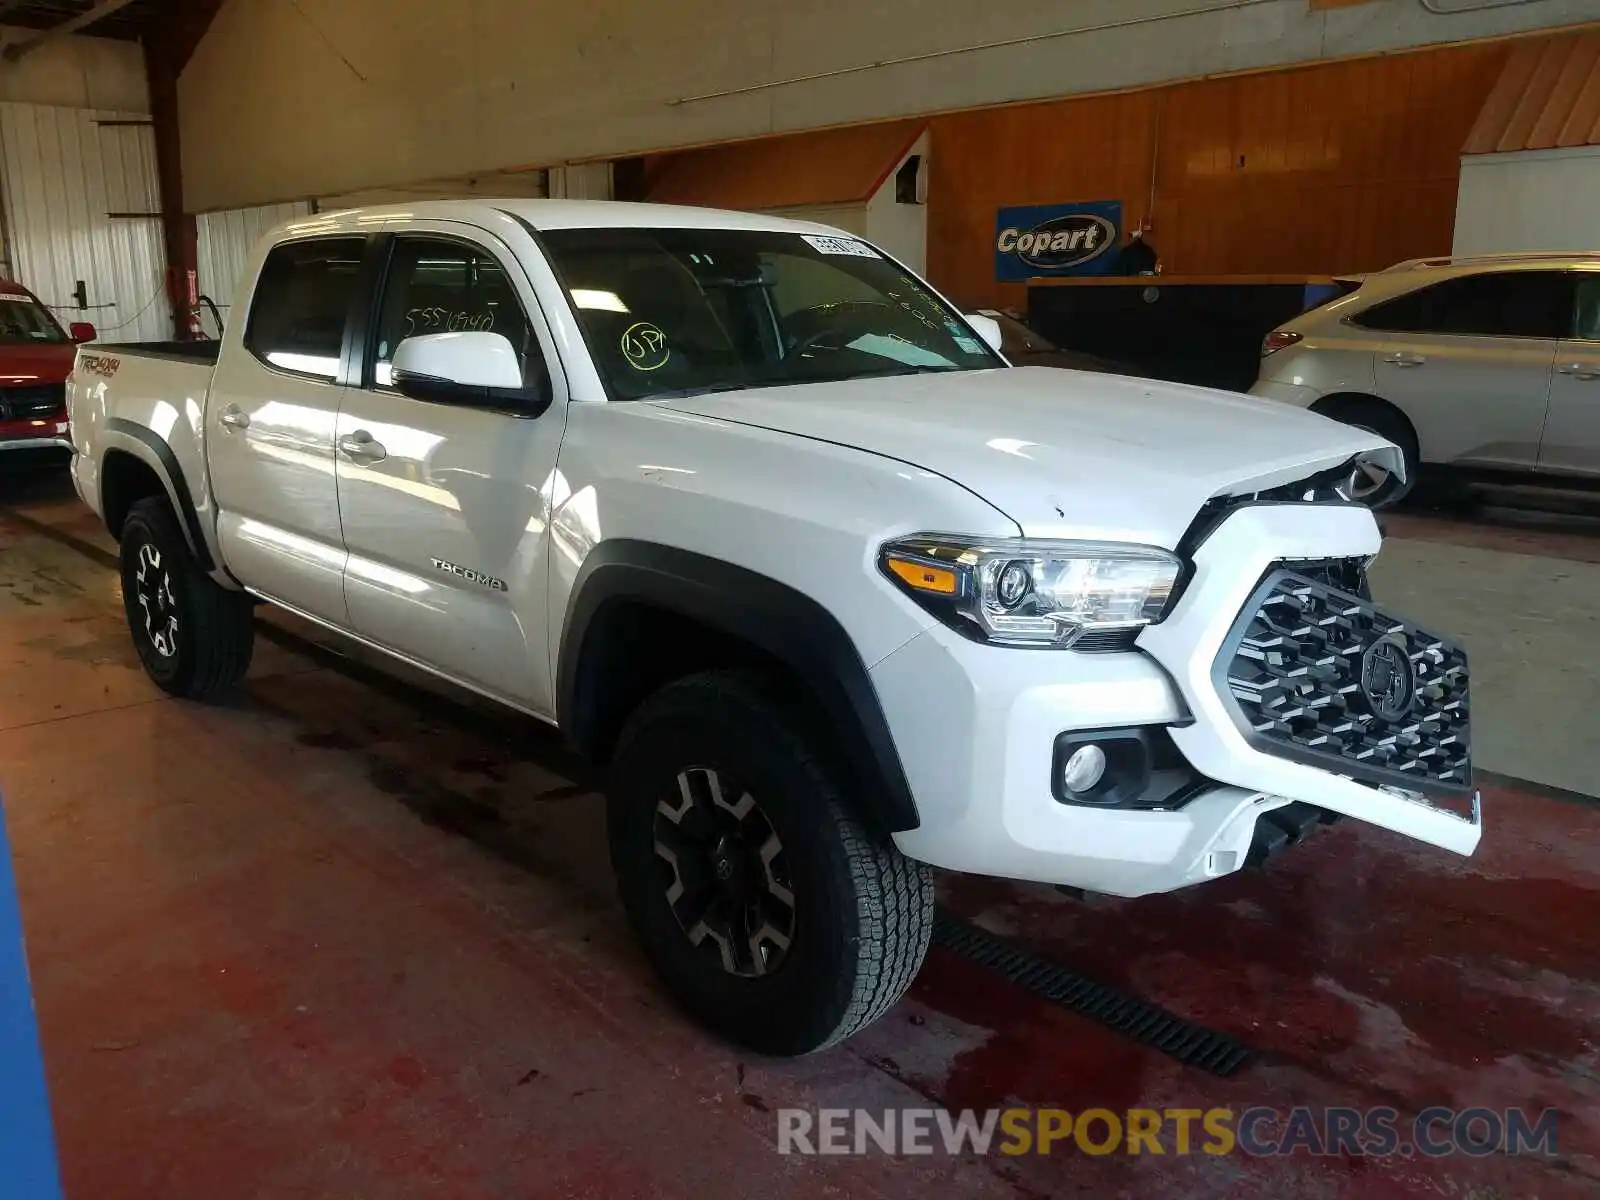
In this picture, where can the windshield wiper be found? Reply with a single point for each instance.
(905, 369)
(743, 385)
(726, 386)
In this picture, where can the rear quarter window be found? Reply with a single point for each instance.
(1529, 304)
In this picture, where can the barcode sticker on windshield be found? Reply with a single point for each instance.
(839, 245)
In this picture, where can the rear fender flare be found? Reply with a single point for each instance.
(150, 448)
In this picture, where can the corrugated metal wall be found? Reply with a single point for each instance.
(62, 172)
(1530, 200)
(226, 240)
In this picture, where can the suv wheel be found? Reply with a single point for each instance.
(193, 636)
(1375, 487)
(770, 912)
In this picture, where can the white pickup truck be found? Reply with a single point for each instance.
(769, 528)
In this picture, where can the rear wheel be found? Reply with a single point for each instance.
(1376, 487)
(770, 912)
(193, 636)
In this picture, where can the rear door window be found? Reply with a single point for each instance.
(302, 304)
(1522, 304)
(1588, 305)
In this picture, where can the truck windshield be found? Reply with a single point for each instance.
(24, 321)
(679, 311)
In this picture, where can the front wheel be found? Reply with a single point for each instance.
(770, 912)
(193, 636)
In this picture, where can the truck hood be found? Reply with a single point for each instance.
(45, 362)
(1064, 453)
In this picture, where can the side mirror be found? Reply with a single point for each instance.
(988, 329)
(471, 367)
(81, 331)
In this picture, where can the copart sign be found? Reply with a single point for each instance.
(1057, 239)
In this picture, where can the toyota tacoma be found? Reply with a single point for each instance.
(774, 533)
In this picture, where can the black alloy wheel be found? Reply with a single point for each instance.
(724, 873)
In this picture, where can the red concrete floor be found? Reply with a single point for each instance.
(337, 939)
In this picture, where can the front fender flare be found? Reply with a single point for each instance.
(773, 617)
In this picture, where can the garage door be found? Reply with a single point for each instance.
(81, 206)
(226, 241)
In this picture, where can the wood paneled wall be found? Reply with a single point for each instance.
(1313, 170)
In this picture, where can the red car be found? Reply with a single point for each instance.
(35, 359)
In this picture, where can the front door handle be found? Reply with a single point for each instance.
(1581, 370)
(1405, 359)
(362, 447)
(234, 417)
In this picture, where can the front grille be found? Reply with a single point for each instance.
(33, 402)
(1317, 674)
(1341, 574)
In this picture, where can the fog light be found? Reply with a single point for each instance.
(1085, 767)
(1106, 768)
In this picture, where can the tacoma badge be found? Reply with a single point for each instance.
(471, 576)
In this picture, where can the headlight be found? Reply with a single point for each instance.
(1022, 592)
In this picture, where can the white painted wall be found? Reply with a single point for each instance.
(283, 100)
(225, 241)
(1529, 200)
(62, 173)
(76, 72)
(580, 181)
(901, 229)
(526, 185)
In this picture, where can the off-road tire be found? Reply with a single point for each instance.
(863, 912)
(209, 650)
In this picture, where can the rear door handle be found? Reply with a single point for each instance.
(235, 417)
(1581, 370)
(362, 447)
(1405, 359)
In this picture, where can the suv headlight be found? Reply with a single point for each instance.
(1027, 592)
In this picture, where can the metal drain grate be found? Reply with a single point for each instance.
(1143, 1022)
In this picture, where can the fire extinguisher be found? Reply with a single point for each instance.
(184, 288)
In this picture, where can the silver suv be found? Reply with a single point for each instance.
(1489, 363)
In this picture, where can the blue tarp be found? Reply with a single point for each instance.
(28, 1169)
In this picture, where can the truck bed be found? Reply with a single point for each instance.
(193, 351)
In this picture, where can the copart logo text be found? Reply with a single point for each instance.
(1060, 242)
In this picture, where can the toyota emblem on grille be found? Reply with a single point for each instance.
(1387, 679)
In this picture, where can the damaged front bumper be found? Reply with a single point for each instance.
(979, 757)
(1422, 790)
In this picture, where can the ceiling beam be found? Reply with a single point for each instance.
(82, 21)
